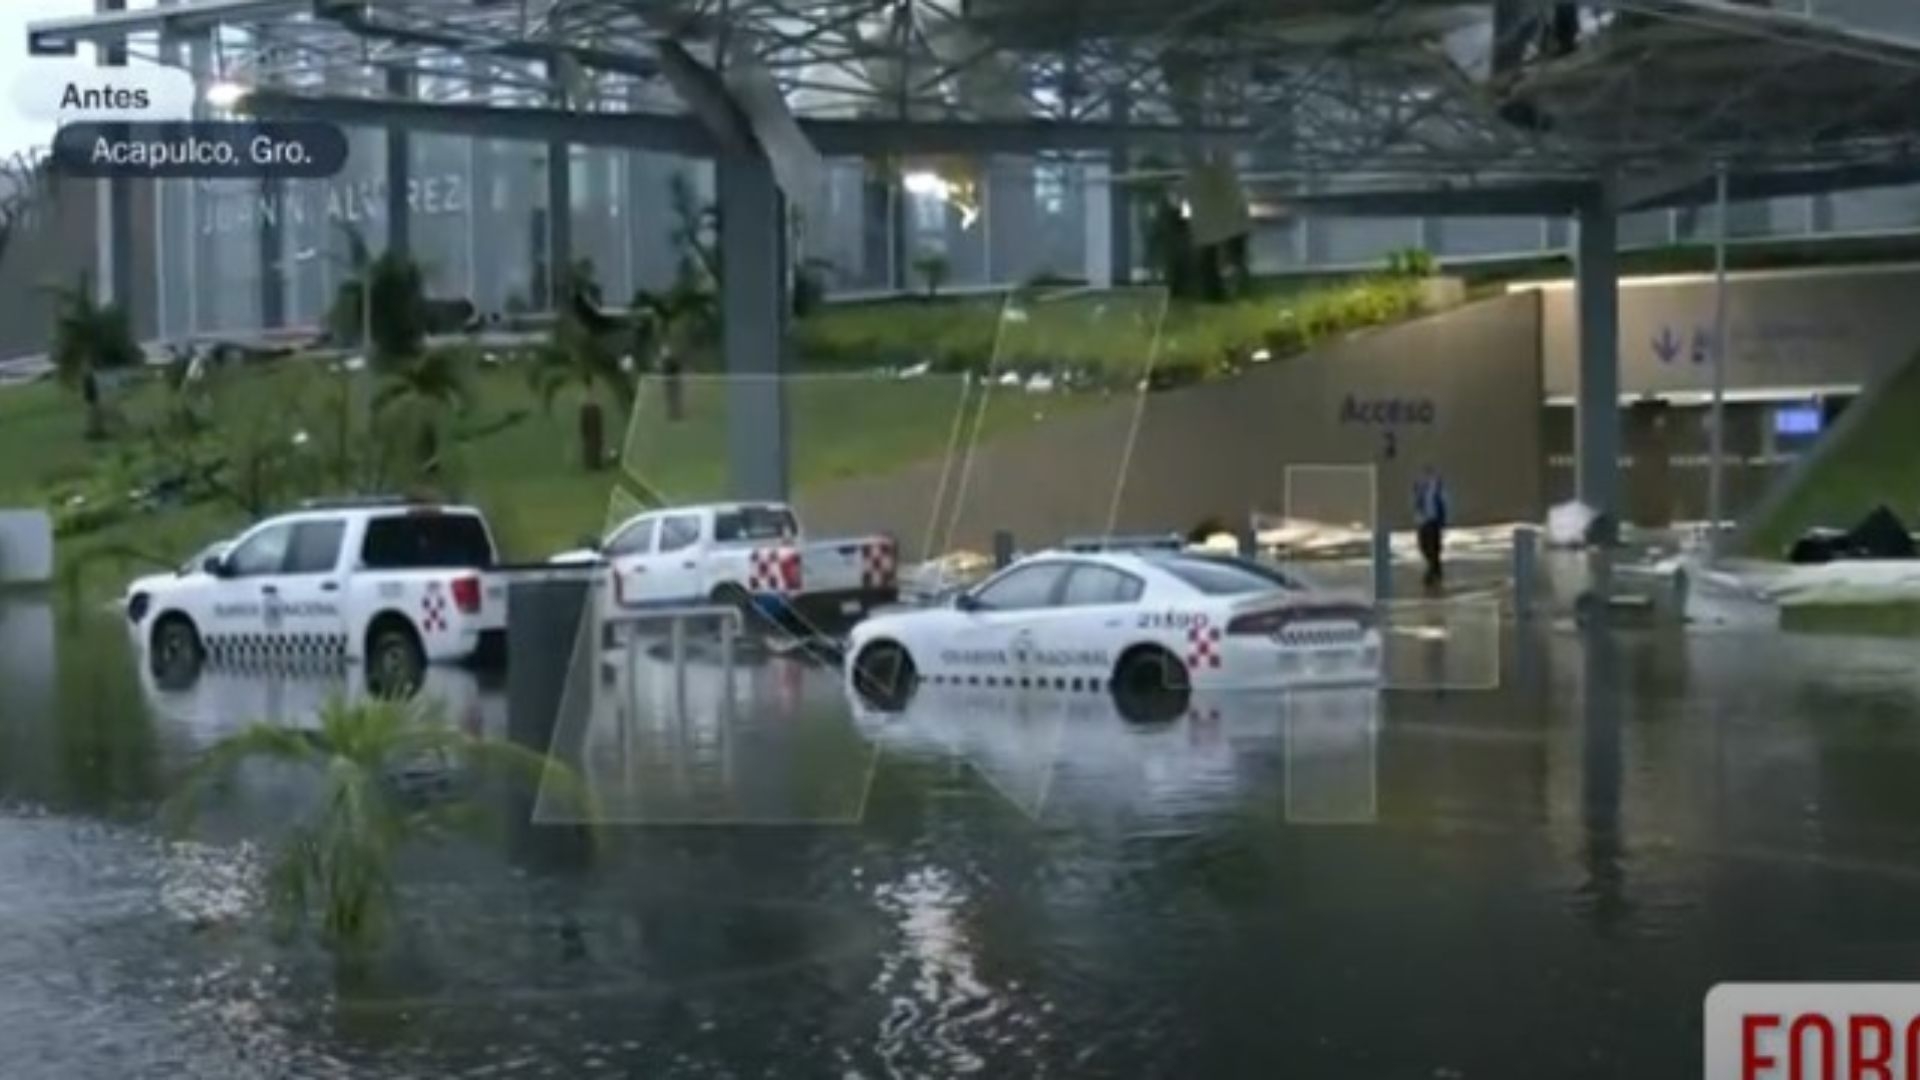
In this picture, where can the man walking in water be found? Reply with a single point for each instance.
(1430, 516)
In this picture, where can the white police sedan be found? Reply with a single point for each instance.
(1136, 623)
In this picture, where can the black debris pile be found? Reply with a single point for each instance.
(1879, 535)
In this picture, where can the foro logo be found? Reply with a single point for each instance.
(1387, 411)
(1813, 1031)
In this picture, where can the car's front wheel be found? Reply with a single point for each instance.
(884, 675)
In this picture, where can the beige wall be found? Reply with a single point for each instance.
(1469, 384)
(1786, 327)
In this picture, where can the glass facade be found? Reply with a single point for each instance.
(237, 256)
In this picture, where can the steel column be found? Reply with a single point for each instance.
(399, 169)
(115, 223)
(1597, 301)
(273, 253)
(559, 222)
(1716, 473)
(753, 315)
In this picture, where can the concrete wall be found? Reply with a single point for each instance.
(1460, 389)
(1787, 328)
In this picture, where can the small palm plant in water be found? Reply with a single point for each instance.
(380, 766)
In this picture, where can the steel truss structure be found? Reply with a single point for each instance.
(1513, 102)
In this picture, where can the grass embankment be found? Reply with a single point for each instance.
(847, 416)
(1876, 461)
(1890, 619)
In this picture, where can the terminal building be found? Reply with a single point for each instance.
(495, 211)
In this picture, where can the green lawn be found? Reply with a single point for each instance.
(517, 460)
(1878, 462)
(847, 415)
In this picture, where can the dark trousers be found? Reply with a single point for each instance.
(1431, 536)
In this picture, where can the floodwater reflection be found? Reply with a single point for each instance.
(1030, 885)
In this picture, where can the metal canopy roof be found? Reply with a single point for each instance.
(1433, 99)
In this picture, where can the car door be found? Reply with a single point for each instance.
(628, 552)
(998, 629)
(1080, 636)
(675, 571)
(309, 593)
(239, 614)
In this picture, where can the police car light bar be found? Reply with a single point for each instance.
(1088, 544)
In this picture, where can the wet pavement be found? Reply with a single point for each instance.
(1540, 879)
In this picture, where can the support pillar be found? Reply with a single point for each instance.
(399, 169)
(274, 270)
(559, 222)
(1597, 302)
(115, 279)
(753, 316)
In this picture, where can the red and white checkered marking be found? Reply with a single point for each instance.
(433, 609)
(877, 564)
(773, 570)
(1203, 647)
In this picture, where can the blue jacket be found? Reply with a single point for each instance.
(1430, 500)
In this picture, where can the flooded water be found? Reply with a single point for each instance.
(1540, 879)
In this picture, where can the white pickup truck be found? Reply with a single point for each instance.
(745, 554)
(392, 583)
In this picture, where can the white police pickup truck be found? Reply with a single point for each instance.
(395, 584)
(745, 554)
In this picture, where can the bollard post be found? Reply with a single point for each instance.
(1526, 556)
(727, 630)
(679, 649)
(1382, 562)
(1002, 549)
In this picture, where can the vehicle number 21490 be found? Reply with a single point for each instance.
(1171, 620)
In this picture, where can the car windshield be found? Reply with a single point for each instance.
(200, 558)
(1222, 576)
(746, 523)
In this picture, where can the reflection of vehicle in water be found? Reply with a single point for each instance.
(227, 696)
(1151, 626)
(715, 738)
(1080, 750)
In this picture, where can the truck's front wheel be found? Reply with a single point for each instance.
(175, 653)
(396, 661)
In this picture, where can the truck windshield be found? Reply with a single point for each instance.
(754, 523)
(427, 542)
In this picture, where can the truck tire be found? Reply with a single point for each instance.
(730, 594)
(175, 653)
(884, 675)
(396, 661)
(1151, 685)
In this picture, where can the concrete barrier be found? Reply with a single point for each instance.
(26, 547)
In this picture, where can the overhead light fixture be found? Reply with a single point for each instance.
(928, 184)
(225, 94)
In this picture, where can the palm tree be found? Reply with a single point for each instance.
(337, 861)
(89, 338)
(416, 398)
(581, 354)
(398, 319)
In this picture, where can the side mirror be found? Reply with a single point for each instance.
(217, 566)
(966, 601)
